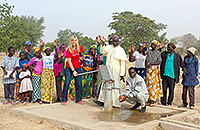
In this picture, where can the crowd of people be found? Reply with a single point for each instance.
(34, 76)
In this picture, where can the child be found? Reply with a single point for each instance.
(22, 61)
(36, 75)
(47, 79)
(26, 85)
(9, 64)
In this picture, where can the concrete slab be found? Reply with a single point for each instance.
(76, 116)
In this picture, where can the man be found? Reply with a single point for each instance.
(136, 91)
(9, 64)
(116, 58)
(170, 71)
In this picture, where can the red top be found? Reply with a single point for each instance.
(75, 57)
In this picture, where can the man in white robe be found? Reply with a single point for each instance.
(116, 58)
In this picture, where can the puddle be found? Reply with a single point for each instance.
(135, 117)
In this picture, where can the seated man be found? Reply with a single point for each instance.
(136, 91)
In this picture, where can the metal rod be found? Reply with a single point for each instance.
(88, 72)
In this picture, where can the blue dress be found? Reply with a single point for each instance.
(190, 79)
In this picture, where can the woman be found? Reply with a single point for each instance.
(73, 66)
(140, 57)
(89, 64)
(47, 78)
(190, 78)
(153, 79)
(58, 70)
(28, 50)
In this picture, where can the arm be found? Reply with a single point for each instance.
(131, 57)
(41, 45)
(72, 68)
(55, 47)
(182, 65)
(4, 70)
(197, 67)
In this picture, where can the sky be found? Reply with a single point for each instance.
(92, 17)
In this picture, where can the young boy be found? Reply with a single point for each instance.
(9, 64)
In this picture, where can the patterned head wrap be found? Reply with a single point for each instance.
(115, 37)
(155, 42)
(65, 52)
(46, 48)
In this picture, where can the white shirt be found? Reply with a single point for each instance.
(48, 61)
(140, 60)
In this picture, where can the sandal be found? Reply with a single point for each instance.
(5, 102)
(24, 103)
(13, 103)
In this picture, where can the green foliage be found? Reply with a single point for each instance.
(33, 28)
(134, 28)
(49, 44)
(65, 35)
(11, 33)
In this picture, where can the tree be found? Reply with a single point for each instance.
(65, 35)
(11, 33)
(34, 28)
(134, 28)
(186, 41)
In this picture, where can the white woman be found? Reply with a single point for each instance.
(73, 66)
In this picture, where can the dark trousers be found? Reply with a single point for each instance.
(191, 90)
(168, 83)
(68, 76)
(9, 90)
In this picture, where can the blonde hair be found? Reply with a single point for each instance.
(70, 44)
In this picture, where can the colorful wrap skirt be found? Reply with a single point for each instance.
(154, 83)
(47, 85)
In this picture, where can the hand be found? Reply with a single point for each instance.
(149, 65)
(55, 43)
(98, 40)
(75, 73)
(122, 98)
(41, 43)
(11, 75)
(103, 39)
(82, 58)
(162, 45)
(131, 50)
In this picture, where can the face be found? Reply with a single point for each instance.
(189, 54)
(93, 50)
(24, 67)
(132, 73)
(62, 48)
(48, 51)
(115, 42)
(11, 52)
(140, 48)
(28, 46)
(111, 42)
(153, 45)
(38, 55)
(22, 56)
(170, 48)
(74, 42)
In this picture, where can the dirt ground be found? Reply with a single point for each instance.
(9, 121)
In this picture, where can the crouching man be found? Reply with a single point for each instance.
(136, 91)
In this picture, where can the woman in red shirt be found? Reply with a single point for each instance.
(73, 66)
